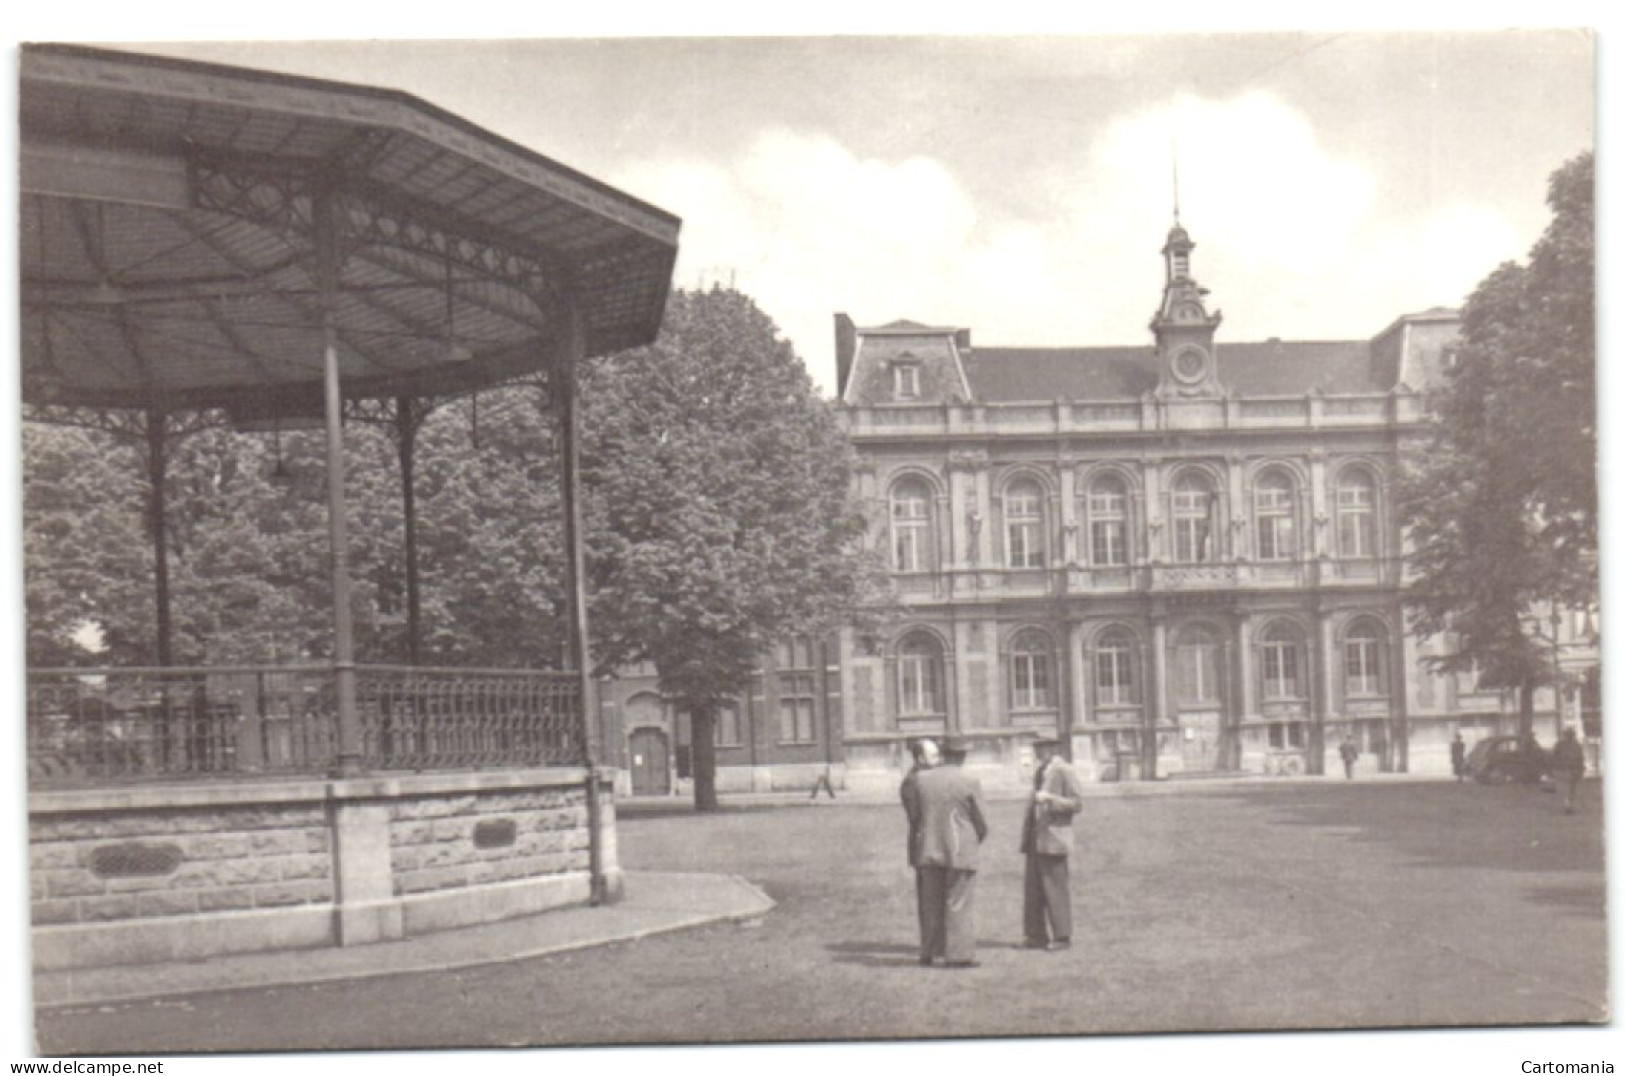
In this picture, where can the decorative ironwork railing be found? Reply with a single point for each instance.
(136, 724)
(424, 718)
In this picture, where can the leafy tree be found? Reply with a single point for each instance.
(87, 563)
(1501, 507)
(720, 516)
(489, 532)
(249, 554)
(718, 519)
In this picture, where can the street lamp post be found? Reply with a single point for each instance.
(1557, 668)
(1538, 632)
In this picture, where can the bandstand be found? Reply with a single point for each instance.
(208, 245)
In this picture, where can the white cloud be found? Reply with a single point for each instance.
(1293, 240)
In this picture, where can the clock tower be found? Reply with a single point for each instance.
(1187, 364)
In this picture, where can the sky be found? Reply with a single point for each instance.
(1022, 186)
(1013, 175)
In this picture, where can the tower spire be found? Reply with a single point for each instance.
(1173, 153)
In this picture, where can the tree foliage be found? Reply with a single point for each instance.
(1501, 506)
(249, 554)
(87, 561)
(720, 515)
(718, 518)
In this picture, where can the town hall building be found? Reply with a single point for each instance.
(1183, 557)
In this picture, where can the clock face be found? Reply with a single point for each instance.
(1188, 312)
(1190, 364)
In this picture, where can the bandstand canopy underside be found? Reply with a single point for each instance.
(185, 226)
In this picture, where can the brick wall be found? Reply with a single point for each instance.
(97, 867)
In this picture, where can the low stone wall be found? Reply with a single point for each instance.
(451, 842)
(90, 868)
(183, 872)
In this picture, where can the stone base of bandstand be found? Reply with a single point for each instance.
(160, 873)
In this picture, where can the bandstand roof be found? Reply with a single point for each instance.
(171, 237)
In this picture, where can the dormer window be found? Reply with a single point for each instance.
(905, 380)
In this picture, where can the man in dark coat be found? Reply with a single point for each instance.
(1046, 840)
(1349, 753)
(1568, 765)
(953, 824)
(925, 757)
(1458, 757)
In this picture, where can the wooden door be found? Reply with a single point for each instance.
(651, 763)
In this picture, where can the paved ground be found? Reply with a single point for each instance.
(1313, 905)
(655, 902)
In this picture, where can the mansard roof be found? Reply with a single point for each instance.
(1010, 374)
(1270, 368)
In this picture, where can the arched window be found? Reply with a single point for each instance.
(1194, 509)
(919, 677)
(1356, 513)
(911, 530)
(1196, 667)
(1281, 663)
(1114, 669)
(1032, 669)
(1273, 514)
(1024, 524)
(1364, 670)
(1108, 522)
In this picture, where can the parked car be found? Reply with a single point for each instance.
(1505, 759)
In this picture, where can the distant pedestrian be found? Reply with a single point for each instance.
(823, 784)
(1568, 765)
(1046, 840)
(1458, 758)
(953, 824)
(925, 756)
(1349, 753)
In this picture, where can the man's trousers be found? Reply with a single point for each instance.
(947, 914)
(1047, 899)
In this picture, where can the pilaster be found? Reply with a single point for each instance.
(1324, 672)
(1238, 511)
(1079, 664)
(1157, 696)
(1154, 509)
(1247, 652)
(1319, 506)
(1068, 512)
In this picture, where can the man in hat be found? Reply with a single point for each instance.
(1046, 839)
(926, 757)
(953, 824)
